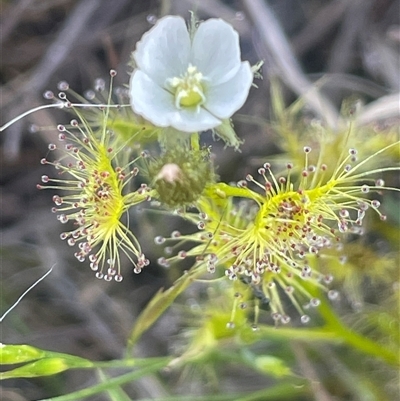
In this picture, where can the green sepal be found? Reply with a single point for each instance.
(12, 354)
(226, 132)
(44, 363)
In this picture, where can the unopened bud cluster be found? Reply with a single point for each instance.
(180, 176)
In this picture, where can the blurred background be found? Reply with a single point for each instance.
(353, 44)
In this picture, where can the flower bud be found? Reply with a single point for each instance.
(180, 176)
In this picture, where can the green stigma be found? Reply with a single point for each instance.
(188, 88)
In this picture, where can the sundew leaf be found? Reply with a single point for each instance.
(158, 304)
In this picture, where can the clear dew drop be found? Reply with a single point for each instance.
(182, 254)
(151, 19)
(99, 84)
(63, 218)
(159, 240)
(276, 316)
(305, 319)
(365, 189)
(315, 302)
(63, 86)
(333, 295)
(33, 128)
(211, 268)
(375, 203)
(203, 216)
(240, 16)
(175, 234)
(94, 266)
(48, 95)
(90, 94)
(168, 250)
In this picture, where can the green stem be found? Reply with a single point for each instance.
(223, 190)
(278, 392)
(323, 334)
(281, 391)
(111, 383)
(128, 363)
(367, 346)
(194, 141)
(352, 338)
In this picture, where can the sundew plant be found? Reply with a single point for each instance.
(282, 285)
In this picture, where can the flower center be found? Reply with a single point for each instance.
(188, 88)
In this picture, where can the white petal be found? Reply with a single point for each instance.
(216, 51)
(149, 100)
(191, 120)
(164, 51)
(157, 105)
(224, 99)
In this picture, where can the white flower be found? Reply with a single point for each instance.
(190, 84)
